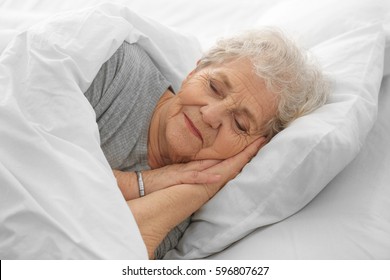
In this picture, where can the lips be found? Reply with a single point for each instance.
(192, 127)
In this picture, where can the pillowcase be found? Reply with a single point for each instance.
(299, 162)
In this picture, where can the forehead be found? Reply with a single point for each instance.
(239, 76)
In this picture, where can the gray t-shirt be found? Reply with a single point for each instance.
(124, 94)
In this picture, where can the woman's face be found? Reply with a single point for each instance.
(218, 111)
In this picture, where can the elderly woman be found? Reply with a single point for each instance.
(171, 152)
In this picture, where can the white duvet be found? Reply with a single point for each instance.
(59, 199)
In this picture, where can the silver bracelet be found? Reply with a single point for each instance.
(140, 183)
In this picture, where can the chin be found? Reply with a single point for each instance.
(182, 145)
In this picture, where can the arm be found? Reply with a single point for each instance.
(159, 212)
(156, 214)
(194, 172)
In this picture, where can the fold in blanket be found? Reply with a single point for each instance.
(59, 197)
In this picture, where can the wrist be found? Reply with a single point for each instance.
(127, 183)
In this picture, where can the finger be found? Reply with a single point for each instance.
(169, 176)
(230, 167)
(200, 165)
(242, 158)
(260, 142)
(198, 177)
(254, 147)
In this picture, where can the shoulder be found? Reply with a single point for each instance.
(134, 55)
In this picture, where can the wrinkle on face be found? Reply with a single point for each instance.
(245, 101)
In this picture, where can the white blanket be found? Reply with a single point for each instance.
(59, 199)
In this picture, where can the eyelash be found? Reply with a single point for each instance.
(241, 128)
(214, 88)
(236, 122)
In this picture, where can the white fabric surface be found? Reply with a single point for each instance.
(300, 161)
(349, 219)
(59, 198)
(312, 22)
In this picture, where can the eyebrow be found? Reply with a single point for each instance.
(225, 79)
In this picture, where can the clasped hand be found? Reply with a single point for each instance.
(210, 174)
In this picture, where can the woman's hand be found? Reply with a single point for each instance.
(156, 214)
(185, 173)
(231, 167)
(194, 172)
(212, 174)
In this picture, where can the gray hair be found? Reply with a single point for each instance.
(287, 70)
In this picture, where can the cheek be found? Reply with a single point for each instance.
(189, 98)
(230, 145)
(192, 92)
(182, 145)
(224, 146)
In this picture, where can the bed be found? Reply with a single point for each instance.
(319, 190)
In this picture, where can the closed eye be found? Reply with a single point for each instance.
(239, 125)
(214, 88)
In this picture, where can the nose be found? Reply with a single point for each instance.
(213, 113)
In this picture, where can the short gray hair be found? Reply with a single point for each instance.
(287, 70)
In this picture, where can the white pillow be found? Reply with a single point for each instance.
(298, 163)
